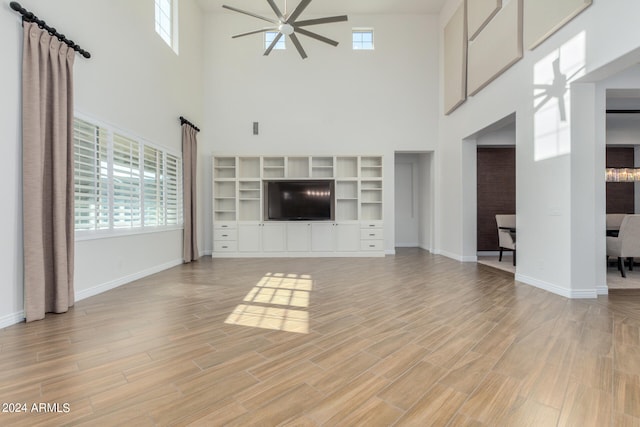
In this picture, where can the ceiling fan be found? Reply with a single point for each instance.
(288, 25)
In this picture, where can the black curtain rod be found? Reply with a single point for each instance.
(30, 17)
(185, 121)
(623, 111)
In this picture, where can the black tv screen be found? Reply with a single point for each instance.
(310, 200)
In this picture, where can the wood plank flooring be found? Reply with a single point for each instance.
(410, 340)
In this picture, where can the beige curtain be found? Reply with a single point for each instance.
(47, 173)
(189, 160)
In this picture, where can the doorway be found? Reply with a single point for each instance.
(622, 151)
(413, 195)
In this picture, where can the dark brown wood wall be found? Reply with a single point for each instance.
(496, 191)
(620, 195)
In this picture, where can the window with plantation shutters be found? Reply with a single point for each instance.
(152, 181)
(123, 183)
(126, 183)
(91, 177)
(173, 190)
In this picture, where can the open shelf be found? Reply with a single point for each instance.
(346, 167)
(322, 167)
(298, 167)
(249, 167)
(371, 167)
(224, 167)
(273, 167)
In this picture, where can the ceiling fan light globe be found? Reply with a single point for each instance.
(286, 29)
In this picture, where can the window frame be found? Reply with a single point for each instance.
(362, 30)
(168, 35)
(282, 43)
(170, 204)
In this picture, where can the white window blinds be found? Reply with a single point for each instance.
(122, 183)
(91, 177)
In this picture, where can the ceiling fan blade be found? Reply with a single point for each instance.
(276, 10)
(273, 44)
(273, 21)
(296, 43)
(321, 21)
(255, 32)
(298, 10)
(316, 36)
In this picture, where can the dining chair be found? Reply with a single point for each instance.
(626, 244)
(506, 238)
(614, 221)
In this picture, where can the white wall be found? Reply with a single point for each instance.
(545, 202)
(337, 101)
(426, 182)
(134, 81)
(505, 136)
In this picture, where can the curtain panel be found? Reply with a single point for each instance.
(47, 173)
(189, 160)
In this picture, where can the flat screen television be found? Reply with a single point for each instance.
(299, 200)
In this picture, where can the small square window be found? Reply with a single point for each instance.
(363, 39)
(268, 39)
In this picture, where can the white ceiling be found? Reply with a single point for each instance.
(331, 7)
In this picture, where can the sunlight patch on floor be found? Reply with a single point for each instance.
(276, 302)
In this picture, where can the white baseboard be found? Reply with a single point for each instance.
(12, 319)
(449, 255)
(550, 287)
(390, 252)
(86, 293)
(602, 290)
(471, 258)
(407, 245)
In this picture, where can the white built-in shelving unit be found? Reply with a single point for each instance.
(238, 206)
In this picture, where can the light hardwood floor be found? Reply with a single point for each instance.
(415, 339)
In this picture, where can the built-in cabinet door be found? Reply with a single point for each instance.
(298, 237)
(273, 237)
(249, 238)
(347, 237)
(322, 237)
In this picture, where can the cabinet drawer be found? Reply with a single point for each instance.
(225, 246)
(217, 225)
(371, 234)
(371, 224)
(371, 245)
(225, 234)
